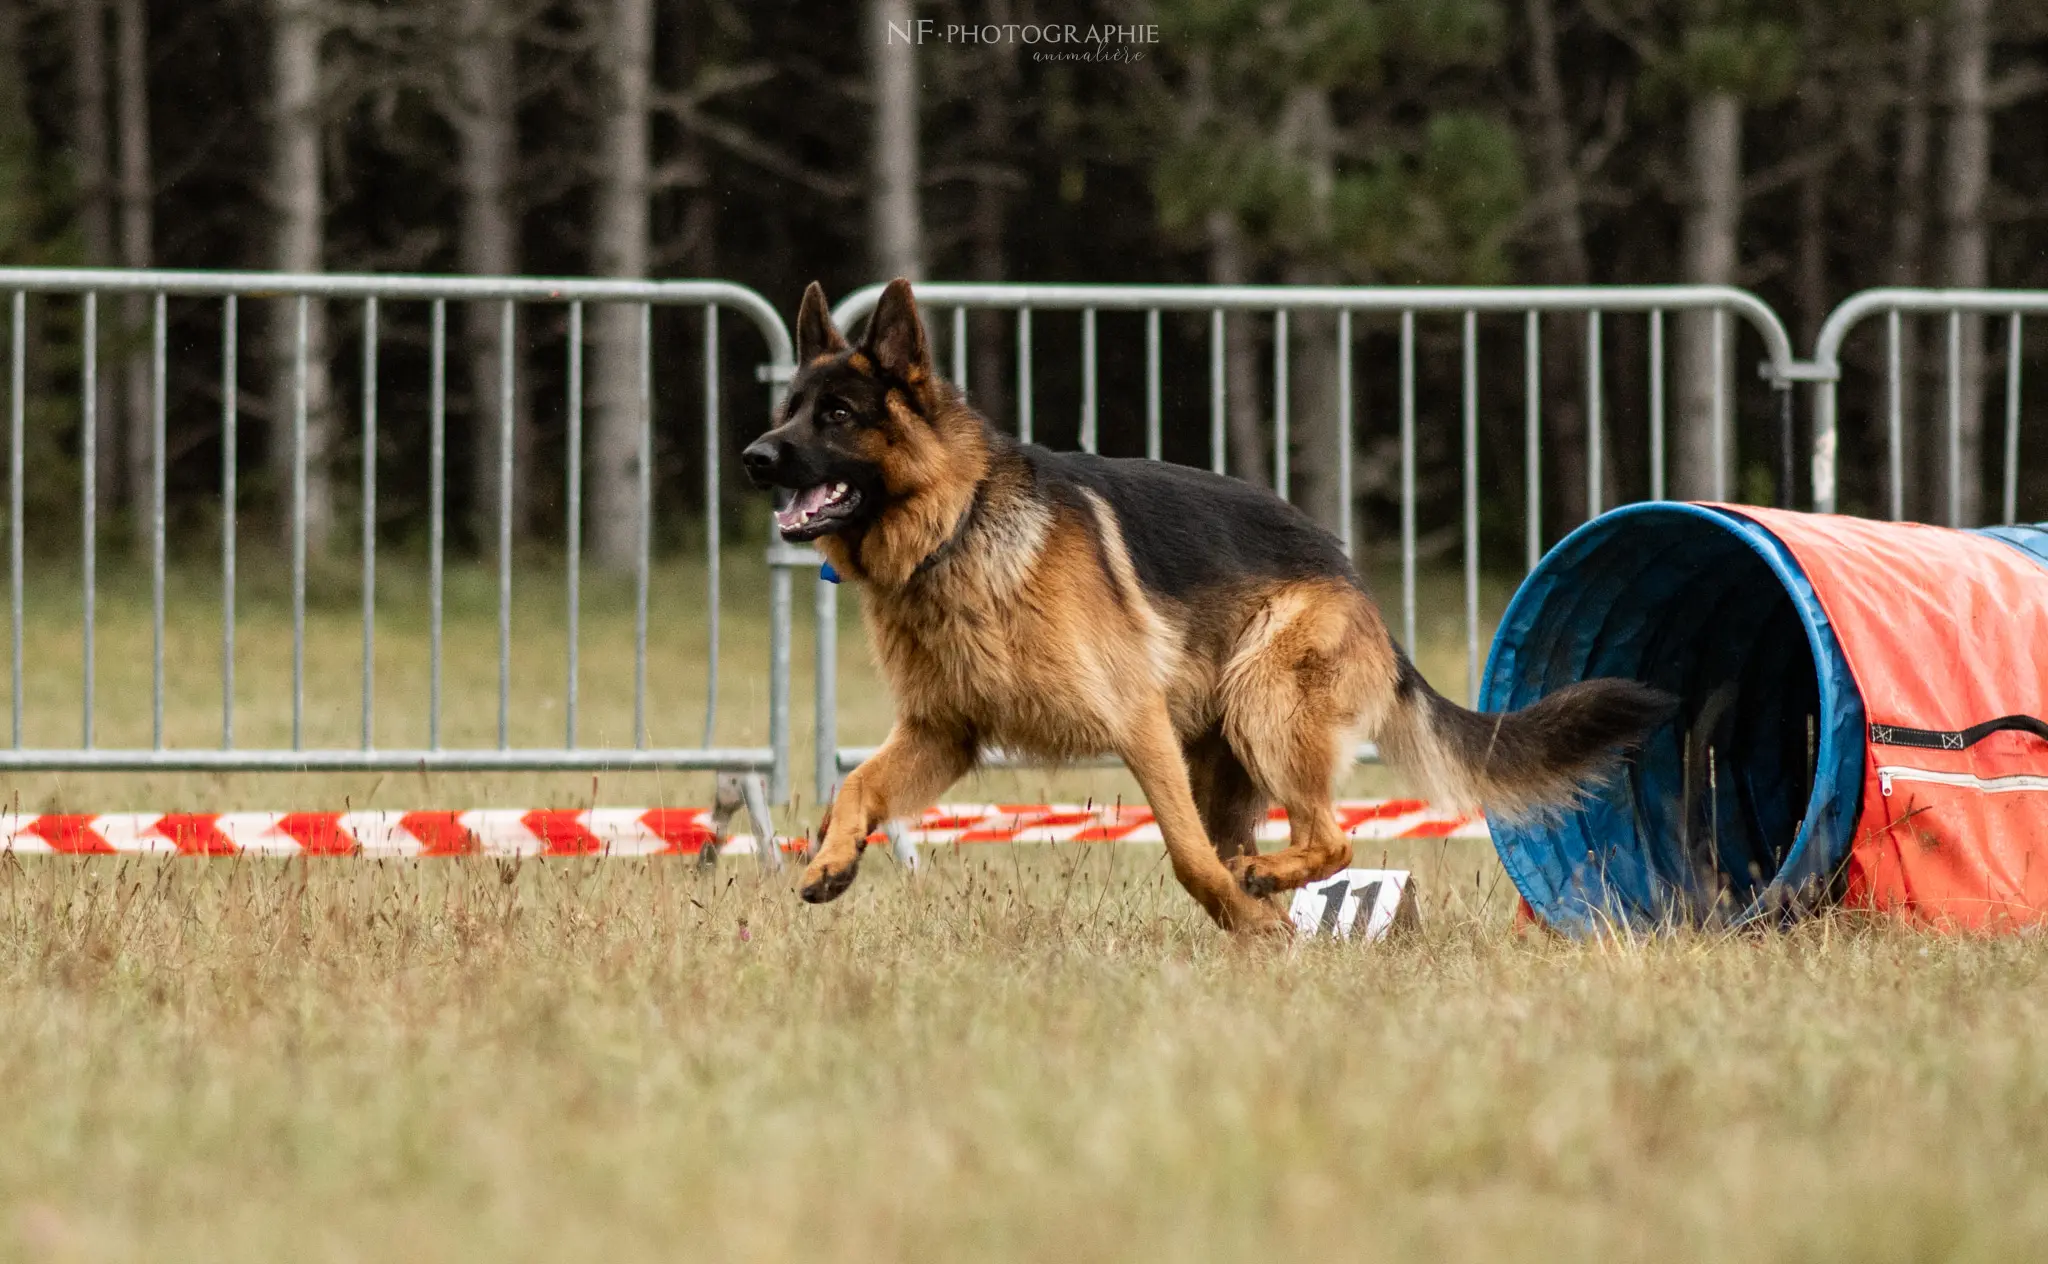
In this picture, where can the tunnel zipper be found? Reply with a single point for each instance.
(1989, 785)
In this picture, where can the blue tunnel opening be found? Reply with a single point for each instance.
(1744, 804)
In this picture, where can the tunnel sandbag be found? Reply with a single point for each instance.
(1803, 650)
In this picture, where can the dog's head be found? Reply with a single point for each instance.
(862, 425)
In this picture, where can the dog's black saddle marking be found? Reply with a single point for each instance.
(1187, 529)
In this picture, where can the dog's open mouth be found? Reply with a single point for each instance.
(816, 511)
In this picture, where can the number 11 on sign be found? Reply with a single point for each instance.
(1356, 902)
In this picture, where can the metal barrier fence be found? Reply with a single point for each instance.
(766, 768)
(952, 302)
(1826, 372)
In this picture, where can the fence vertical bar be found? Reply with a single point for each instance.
(1154, 441)
(157, 352)
(302, 310)
(1896, 414)
(1408, 480)
(1532, 428)
(2012, 418)
(17, 380)
(779, 610)
(437, 505)
(1024, 375)
(1596, 457)
(230, 415)
(1471, 445)
(88, 460)
(1955, 419)
(1088, 380)
(369, 525)
(960, 348)
(573, 527)
(1785, 496)
(1719, 325)
(825, 759)
(1346, 423)
(1826, 400)
(1657, 404)
(644, 460)
(713, 442)
(1281, 405)
(506, 385)
(1218, 406)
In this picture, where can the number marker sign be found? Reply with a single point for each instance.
(1361, 903)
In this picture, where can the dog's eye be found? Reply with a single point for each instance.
(837, 415)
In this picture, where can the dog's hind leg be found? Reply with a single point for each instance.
(1315, 662)
(1231, 803)
(1316, 846)
(914, 765)
(1154, 757)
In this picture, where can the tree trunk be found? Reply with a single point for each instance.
(89, 130)
(988, 220)
(1965, 175)
(1312, 407)
(1309, 131)
(298, 200)
(131, 76)
(1562, 261)
(20, 182)
(487, 139)
(91, 152)
(697, 233)
(1908, 264)
(987, 343)
(684, 229)
(898, 223)
(1712, 216)
(1816, 130)
(1241, 367)
(17, 136)
(619, 249)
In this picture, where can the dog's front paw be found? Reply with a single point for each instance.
(1255, 874)
(1253, 920)
(826, 880)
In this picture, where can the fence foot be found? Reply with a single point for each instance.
(748, 793)
(767, 848)
(901, 845)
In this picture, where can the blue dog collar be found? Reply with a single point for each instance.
(826, 573)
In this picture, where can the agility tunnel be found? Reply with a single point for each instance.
(1862, 719)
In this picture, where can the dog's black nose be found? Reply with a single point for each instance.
(761, 458)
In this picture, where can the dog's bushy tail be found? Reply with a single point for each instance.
(1518, 764)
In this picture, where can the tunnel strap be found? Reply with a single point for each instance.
(1955, 739)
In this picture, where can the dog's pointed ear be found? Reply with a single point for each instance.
(816, 335)
(896, 336)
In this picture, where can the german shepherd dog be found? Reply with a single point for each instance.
(1067, 605)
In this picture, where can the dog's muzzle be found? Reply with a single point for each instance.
(764, 458)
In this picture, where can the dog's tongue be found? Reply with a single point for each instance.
(801, 505)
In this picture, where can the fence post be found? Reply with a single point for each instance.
(781, 558)
(1824, 446)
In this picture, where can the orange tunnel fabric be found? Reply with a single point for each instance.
(1945, 631)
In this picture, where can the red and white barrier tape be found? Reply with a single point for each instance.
(620, 831)
(1052, 823)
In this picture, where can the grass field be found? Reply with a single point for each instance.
(1038, 1053)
